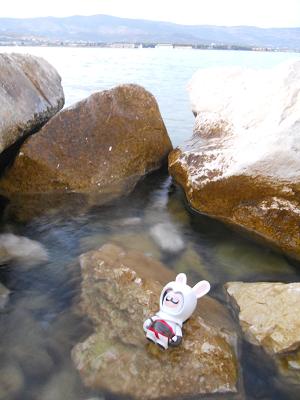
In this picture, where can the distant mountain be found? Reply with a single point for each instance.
(104, 28)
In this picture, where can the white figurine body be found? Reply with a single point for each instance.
(177, 303)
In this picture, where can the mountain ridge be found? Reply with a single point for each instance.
(109, 29)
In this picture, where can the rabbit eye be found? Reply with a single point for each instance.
(165, 294)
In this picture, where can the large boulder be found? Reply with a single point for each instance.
(104, 143)
(242, 165)
(30, 94)
(120, 289)
(269, 317)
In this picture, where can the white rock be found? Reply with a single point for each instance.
(167, 237)
(22, 250)
(242, 165)
(259, 110)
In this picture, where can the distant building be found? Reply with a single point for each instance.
(182, 46)
(123, 45)
(164, 45)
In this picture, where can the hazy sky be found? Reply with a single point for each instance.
(264, 13)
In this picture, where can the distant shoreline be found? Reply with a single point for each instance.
(109, 31)
(120, 45)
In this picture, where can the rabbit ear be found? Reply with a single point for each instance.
(181, 278)
(201, 288)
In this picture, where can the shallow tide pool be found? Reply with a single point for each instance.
(41, 323)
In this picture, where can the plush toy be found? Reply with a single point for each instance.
(177, 303)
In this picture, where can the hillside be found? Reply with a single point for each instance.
(104, 28)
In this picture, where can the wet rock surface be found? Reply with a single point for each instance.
(30, 94)
(242, 164)
(120, 289)
(103, 144)
(269, 317)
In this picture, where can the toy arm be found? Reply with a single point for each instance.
(148, 322)
(176, 339)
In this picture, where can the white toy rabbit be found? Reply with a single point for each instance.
(177, 303)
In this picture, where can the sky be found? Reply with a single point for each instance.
(262, 13)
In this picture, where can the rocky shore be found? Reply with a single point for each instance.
(240, 167)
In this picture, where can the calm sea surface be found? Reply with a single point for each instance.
(39, 326)
(164, 72)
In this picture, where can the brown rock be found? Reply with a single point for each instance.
(104, 143)
(269, 316)
(242, 164)
(30, 94)
(23, 207)
(267, 210)
(119, 291)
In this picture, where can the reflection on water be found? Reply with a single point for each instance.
(40, 324)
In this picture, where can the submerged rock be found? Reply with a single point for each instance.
(11, 380)
(120, 289)
(4, 295)
(242, 165)
(140, 241)
(190, 261)
(30, 94)
(247, 261)
(167, 237)
(62, 385)
(269, 316)
(21, 250)
(24, 341)
(103, 144)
